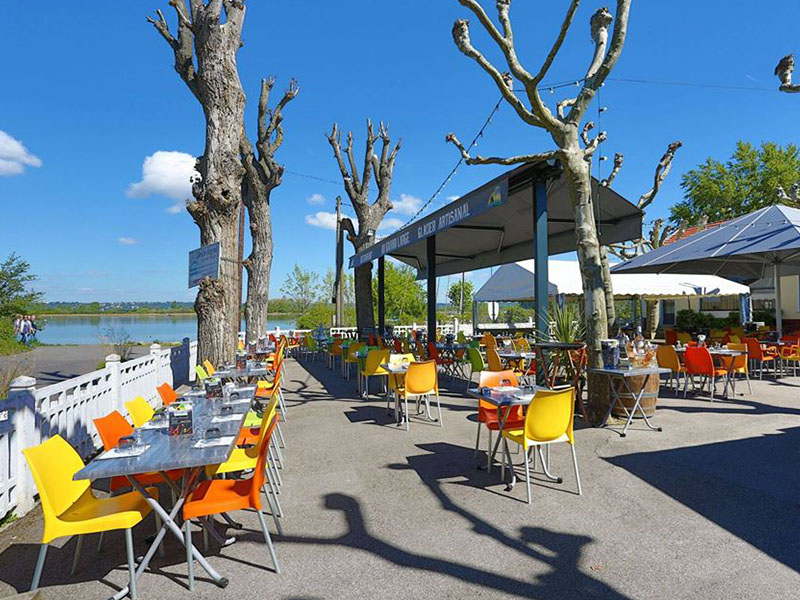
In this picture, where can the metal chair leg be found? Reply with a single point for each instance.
(268, 540)
(132, 562)
(528, 478)
(189, 558)
(37, 572)
(77, 555)
(100, 542)
(478, 440)
(439, 409)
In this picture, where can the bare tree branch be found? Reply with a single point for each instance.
(784, 72)
(562, 34)
(566, 102)
(618, 160)
(593, 144)
(495, 160)
(182, 47)
(335, 139)
(585, 133)
(662, 170)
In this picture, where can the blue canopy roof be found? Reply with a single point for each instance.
(744, 249)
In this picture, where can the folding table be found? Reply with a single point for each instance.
(625, 374)
(165, 452)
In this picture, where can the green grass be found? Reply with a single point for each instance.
(8, 519)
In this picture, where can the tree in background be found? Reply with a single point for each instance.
(405, 300)
(454, 295)
(302, 288)
(329, 287)
(751, 179)
(369, 215)
(16, 298)
(564, 127)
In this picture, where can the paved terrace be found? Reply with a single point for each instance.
(707, 509)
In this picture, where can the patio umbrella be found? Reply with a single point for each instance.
(764, 243)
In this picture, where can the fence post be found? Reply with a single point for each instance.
(21, 394)
(113, 366)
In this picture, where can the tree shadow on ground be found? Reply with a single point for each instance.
(749, 487)
(562, 580)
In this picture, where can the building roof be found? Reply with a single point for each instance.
(679, 235)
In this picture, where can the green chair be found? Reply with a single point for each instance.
(476, 363)
(201, 372)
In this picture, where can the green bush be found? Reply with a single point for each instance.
(690, 321)
(319, 312)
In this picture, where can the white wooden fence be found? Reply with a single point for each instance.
(29, 415)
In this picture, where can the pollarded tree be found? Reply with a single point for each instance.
(368, 214)
(209, 35)
(262, 175)
(564, 128)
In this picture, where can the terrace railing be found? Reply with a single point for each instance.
(29, 415)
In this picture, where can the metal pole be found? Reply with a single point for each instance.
(241, 270)
(338, 281)
(778, 309)
(431, 262)
(540, 256)
(461, 298)
(381, 302)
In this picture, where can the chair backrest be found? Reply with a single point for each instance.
(240, 345)
(461, 338)
(375, 358)
(488, 340)
(433, 353)
(668, 358)
(140, 411)
(421, 377)
(168, 395)
(671, 336)
(698, 361)
(111, 428)
(550, 415)
(336, 347)
(52, 464)
(398, 345)
(475, 359)
(257, 480)
(493, 378)
(421, 351)
(201, 372)
(734, 338)
(523, 345)
(683, 337)
(352, 350)
(754, 348)
(209, 367)
(493, 358)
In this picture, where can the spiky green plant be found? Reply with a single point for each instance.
(567, 323)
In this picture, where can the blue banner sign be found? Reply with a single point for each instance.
(471, 205)
(203, 262)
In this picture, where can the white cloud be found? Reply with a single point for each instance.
(391, 223)
(127, 241)
(14, 157)
(326, 220)
(316, 199)
(165, 173)
(452, 198)
(407, 205)
(174, 209)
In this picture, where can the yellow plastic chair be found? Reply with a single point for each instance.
(397, 381)
(488, 340)
(70, 507)
(140, 411)
(240, 345)
(683, 337)
(421, 381)
(334, 350)
(737, 365)
(210, 370)
(548, 421)
(201, 372)
(372, 366)
(493, 359)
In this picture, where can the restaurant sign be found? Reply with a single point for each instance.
(203, 262)
(471, 205)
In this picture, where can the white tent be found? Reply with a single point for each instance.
(514, 282)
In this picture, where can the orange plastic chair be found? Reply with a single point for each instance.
(671, 336)
(111, 429)
(488, 412)
(493, 359)
(225, 495)
(668, 359)
(737, 365)
(761, 355)
(698, 361)
(168, 395)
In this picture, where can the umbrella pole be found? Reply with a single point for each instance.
(778, 311)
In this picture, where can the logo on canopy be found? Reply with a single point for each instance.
(496, 199)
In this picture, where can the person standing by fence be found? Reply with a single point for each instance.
(27, 330)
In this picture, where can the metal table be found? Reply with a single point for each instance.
(190, 452)
(505, 399)
(625, 374)
(248, 373)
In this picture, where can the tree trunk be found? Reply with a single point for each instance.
(577, 172)
(608, 288)
(365, 316)
(652, 318)
(258, 265)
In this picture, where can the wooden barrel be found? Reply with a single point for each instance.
(649, 398)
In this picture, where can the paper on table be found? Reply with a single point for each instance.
(155, 425)
(124, 452)
(220, 441)
(226, 418)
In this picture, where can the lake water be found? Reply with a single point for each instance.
(141, 328)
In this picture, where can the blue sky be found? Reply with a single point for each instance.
(92, 93)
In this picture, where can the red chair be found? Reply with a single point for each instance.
(488, 412)
(671, 337)
(698, 361)
(756, 352)
(398, 346)
(445, 362)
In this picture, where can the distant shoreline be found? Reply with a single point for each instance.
(286, 316)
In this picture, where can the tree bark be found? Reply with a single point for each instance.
(365, 312)
(203, 36)
(608, 288)
(652, 318)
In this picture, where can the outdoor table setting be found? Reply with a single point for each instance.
(211, 427)
(624, 374)
(251, 370)
(718, 354)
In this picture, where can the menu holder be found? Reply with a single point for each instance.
(241, 362)
(180, 421)
(213, 388)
